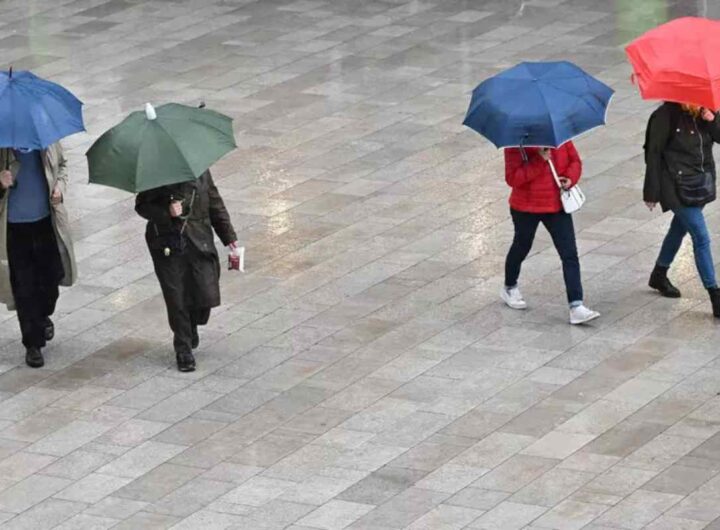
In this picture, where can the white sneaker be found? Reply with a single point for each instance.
(581, 315)
(513, 298)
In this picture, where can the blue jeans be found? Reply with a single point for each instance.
(561, 228)
(690, 219)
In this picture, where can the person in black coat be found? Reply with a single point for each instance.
(680, 175)
(181, 219)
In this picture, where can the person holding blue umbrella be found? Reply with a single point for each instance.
(36, 252)
(533, 110)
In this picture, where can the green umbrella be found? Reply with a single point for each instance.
(153, 148)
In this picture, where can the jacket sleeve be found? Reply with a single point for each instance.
(714, 127)
(3, 160)
(657, 138)
(219, 216)
(519, 173)
(152, 206)
(574, 169)
(62, 175)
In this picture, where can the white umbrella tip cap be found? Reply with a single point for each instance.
(150, 112)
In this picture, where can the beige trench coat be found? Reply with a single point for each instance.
(56, 174)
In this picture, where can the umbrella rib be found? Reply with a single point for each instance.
(552, 123)
(206, 124)
(560, 89)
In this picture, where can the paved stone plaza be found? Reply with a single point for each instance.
(362, 373)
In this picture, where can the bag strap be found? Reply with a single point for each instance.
(554, 174)
(185, 221)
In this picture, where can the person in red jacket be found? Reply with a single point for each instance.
(535, 199)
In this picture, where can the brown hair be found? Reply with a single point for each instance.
(693, 110)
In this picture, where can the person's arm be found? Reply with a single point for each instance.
(153, 205)
(519, 173)
(574, 169)
(6, 181)
(61, 179)
(219, 216)
(657, 139)
(714, 128)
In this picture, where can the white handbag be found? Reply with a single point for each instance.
(572, 199)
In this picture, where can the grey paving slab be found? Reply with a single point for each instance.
(361, 373)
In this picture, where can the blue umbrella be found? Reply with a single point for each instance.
(35, 113)
(541, 104)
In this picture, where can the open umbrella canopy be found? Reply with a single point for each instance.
(679, 61)
(155, 148)
(34, 112)
(539, 104)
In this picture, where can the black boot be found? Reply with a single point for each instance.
(49, 330)
(185, 362)
(34, 357)
(660, 282)
(715, 301)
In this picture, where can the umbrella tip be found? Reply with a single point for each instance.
(150, 112)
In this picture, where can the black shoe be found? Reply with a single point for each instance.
(195, 338)
(34, 357)
(185, 362)
(715, 301)
(660, 282)
(49, 330)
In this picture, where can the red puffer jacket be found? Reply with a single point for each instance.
(533, 187)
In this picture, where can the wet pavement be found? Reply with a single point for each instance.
(362, 373)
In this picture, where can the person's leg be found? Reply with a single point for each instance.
(24, 278)
(199, 317)
(526, 225)
(171, 272)
(672, 243)
(562, 231)
(693, 220)
(51, 272)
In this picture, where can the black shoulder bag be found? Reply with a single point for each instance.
(697, 189)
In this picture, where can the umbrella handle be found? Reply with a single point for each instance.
(523, 153)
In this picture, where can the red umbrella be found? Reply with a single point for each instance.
(679, 61)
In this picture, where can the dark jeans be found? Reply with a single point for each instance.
(179, 288)
(562, 231)
(35, 273)
(690, 219)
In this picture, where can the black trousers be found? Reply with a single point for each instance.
(35, 274)
(561, 228)
(185, 300)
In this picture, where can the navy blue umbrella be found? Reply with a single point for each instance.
(35, 113)
(541, 104)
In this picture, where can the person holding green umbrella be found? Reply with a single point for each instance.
(164, 156)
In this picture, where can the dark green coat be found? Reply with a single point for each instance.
(205, 211)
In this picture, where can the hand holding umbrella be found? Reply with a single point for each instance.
(708, 115)
(6, 179)
(176, 208)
